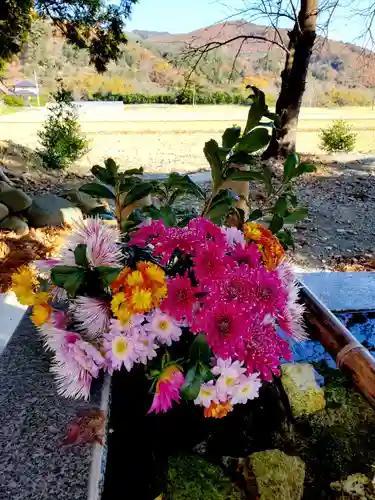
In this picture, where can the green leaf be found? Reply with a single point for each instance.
(152, 212)
(305, 168)
(59, 274)
(212, 154)
(221, 206)
(108, 275)
(97, 190)
(256, 214)
(74, 281)
(276, 224)
(200, 350)
(292, 199)
(137, 192)
(98, 210)
(290, 165)
(230, 137)
(286, 239)
(132, 171)
(103, 175)
(192, 385)
(242, 158)
(184, 184)
(235, 174)
(267, 176)
(126, 183)
(255, 140)
(80, 254)
(204, 372)
(257, 109)
(111, 167)
(280, 207)
(296, 216)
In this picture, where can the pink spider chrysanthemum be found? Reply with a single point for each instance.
(91, 315)
(101, 240)
(181, 298)
(167, 390)
(75, 364)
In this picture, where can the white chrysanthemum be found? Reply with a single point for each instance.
(206, 395)
(233, 236)
(229, 374)
(163, 327)
(245, 389)
(101, 240)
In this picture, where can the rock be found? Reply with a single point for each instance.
(273, 475)
(15, 224)
(4, 186)
(304, 394)
(51, 210)
(356, 486)
(82, 200)
(4, 212)
(16, 200)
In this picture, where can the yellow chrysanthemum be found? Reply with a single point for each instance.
(141, 300)
(41, 313)
(24, 283)
(154, 272)
(120, 308)
(252, 231)
(160, 293)
(135, 279)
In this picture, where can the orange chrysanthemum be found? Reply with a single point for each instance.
(270, 247)
(218, 410)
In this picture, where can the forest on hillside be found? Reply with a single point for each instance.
(154, 64)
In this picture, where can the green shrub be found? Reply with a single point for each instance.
(61, 138)
(338, 137)
(13, 100)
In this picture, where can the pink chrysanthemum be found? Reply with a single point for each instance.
(147, 347)
(249, 255)
(181, 298)
(102, 243)
(224, 324)
(210, 262)
(122, 347)
(290, 318)
(167, 389)
(75, 364)
(91, 315)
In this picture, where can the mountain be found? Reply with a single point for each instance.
(155, 62)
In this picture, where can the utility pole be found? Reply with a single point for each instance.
(37, 88)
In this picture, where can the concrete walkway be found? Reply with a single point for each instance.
(11, 313)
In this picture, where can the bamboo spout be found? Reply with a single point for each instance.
(349, 354)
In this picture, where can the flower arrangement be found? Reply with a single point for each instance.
(221, 291)
(209, 311)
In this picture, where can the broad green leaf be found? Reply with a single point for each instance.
(137, 192)
(126, 183)
(292, 199)
(152, 211)
(286, 239)
(97, 190)
(235, 174)
(276, 224)
(204, 372)
(221, 206)
(111, 167)
(108, 274)
(168, 216)
(230, 137)
(290, 165)
(200, 350)
(242, 158)
(184, 184)
(211, 152)
(296, 216)
(73, 282)
(192, 385)
(132, 171)
(98, 210)
(256, 214)
(280, 207)
(267, 177)
(80, 255)
(254, 141)
(305, 168)
(257, 109)
(59, 274)
(103, 175)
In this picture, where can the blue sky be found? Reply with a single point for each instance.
(177, 16)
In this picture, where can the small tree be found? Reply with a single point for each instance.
(61, 138)
(338, 137)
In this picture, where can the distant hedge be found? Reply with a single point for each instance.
(183, 97)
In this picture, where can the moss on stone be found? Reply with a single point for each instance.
(192, 477)
(304, 394)
(355, 486)
(278, 476)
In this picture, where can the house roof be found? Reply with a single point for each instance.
(24, 83)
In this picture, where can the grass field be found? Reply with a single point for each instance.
(165, 138)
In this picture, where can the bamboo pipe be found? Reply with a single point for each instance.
(349, 354)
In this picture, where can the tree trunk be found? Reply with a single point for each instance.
(293, 81)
